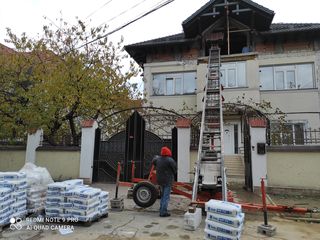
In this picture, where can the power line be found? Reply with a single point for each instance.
(125, 11)
(128, 23)
(105, 4)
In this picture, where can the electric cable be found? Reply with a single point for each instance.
(123, 12)
(128, 23)
(92, 13)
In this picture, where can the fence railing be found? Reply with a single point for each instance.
(15, 141)
(305, 137)
(64, 140)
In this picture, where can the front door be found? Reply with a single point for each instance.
(228, 139)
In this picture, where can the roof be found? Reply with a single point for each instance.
(292, 27)
(274, 29)
(5, 49)
(253, 4)
(163, 40)
(252, 15)
(244, 11)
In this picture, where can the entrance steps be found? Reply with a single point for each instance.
(235, 167)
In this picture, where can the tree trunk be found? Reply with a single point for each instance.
(75, 139)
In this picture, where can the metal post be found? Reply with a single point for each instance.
(264, 202)
(133, 166)
(118, 179)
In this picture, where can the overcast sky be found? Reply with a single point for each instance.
(27, 15)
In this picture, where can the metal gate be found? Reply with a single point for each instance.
(113, 151)
(247, 156)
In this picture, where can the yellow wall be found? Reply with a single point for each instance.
(294, 169)
(12, 160)
(60, 164)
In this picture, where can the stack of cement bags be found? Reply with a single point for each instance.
(104, 205)
(73, 200)
(224, 220)
(13, 197)
(5, 202)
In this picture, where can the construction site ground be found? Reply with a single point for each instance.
(143, 224)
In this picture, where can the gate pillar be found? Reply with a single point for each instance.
(34, 140)
(87, 149)
(184, 133)
(258, 150)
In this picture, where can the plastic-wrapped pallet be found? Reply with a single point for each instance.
(37, 179)
(17, 202)
(36, 196)
(224, 220)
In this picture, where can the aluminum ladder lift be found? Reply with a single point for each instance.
(210, 171)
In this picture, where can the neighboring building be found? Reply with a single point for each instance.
(262, 62)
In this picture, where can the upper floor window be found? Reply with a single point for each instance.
(174, 83)
(286, 77)
(233, 75)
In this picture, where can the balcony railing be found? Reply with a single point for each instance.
(305, 137)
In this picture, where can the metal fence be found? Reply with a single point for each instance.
(304, 137)
(13, 141)
(61, 140)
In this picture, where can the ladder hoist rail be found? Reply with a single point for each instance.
(210, 163)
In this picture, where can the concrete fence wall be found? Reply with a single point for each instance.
(294, 167)
(12, 158)
(61, 162)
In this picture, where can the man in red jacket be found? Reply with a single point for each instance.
(166, 169)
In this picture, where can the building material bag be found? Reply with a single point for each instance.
(236, 221)
(213, 235)
(87, 193)
(74, 182)
(59, 187)
(218, 227)
(222, 207)
(12, 175)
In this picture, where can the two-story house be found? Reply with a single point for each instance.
(262, 63)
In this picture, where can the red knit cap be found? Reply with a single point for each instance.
(165, 151)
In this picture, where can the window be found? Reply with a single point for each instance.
(174, 83)
(291, 133)
(233, 74)
(286, 77)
